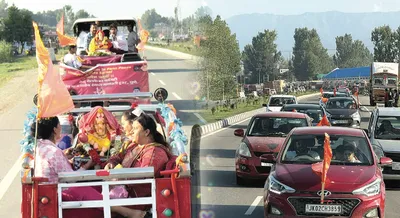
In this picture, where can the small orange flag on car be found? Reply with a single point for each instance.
(321, 168)
(53, 95)
(324, 121)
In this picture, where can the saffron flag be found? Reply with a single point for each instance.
(358, 99)
(144, 36)
(321, 168)
(53, 95)
(63, 39)
(321, 91)
(334, 92)
(324, 121)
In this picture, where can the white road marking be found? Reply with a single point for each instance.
(225, 128)
(163, 83)
(200, 118)
(10, 176)
(153, 74)
(253, 205)
(176, 96)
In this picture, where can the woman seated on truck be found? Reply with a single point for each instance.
(51, 161)
(99, 43)
(148, 148)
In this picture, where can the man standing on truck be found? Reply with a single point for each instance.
(133, 39)
(90, 36)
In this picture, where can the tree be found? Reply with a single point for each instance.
(309, 56)
(220, 60)
(82, 14)
(150, 18)
(203, 11)
(385, 49)
(351, 53)
(263, 57)
(18, 26)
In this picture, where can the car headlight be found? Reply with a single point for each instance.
(356, 115)
(243, 150)
(369, 190)
(273, 185)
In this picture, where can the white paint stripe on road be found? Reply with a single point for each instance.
(253, 205)
(153, 74)
(200, 118)
(176, 96)
(222, 129)
(163, 83)
(10, 176)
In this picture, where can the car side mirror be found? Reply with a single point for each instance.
(264, 105)
(239, 132)
(268, 158)
(160, 95)
(385, 161)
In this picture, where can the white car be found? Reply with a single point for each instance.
(276, 102)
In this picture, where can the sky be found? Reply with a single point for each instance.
(225, 8)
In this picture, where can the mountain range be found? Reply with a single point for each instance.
(328, 24)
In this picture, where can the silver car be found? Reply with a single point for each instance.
(384, 134)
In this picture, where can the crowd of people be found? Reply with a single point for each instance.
(144, 147)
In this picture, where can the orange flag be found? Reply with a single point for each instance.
(197, 40)
(62, 38)
(321, 168)
(325, 100)
(321, 90)
(324, 121)
(358, 99)
(53, 95)
(144, 36)
(334, 92)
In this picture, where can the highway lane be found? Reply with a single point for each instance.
(220, 194)
(167, 71)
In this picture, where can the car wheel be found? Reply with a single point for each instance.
(240, 181)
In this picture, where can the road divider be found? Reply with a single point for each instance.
(211, 127)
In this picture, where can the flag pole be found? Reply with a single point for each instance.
(322, 192)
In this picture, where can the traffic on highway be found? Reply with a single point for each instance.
(278, 165)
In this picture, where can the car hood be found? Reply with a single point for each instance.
(388, 145)
(265, 144)
(345, 112)
(341, 178)
(275, 108)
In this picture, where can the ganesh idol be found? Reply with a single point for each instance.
(97, 128)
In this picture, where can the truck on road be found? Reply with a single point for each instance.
(383, 76)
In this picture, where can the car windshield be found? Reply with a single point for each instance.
(346, 150)
(315, 114)
(388, 127)
(341, 104)
(275, 126)
(280, 101)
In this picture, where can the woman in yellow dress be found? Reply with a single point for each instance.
(99, 42)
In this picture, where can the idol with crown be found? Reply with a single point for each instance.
(97, 129)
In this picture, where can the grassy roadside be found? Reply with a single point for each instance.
(185, 47)
(19, 65)
(242, 107)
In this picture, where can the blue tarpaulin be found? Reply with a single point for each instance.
(347, 73)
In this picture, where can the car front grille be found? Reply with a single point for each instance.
(299, 204)
(259, 154)
(394, 156)
(263, 169)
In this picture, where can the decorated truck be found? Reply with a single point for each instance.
(383, 76)
(107, 71)
(170, 193)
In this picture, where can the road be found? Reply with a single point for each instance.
(222, 197)
(170, 72)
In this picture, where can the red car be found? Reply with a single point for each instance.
(354, 188)
(264, 135)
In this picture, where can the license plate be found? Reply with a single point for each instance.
(340, 121)
(266, 164)
(320, 208)
(395, 166)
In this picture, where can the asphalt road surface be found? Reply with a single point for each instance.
(221, 196)
(173, 73)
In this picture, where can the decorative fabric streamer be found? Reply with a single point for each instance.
(28, 143)
(175, 134)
